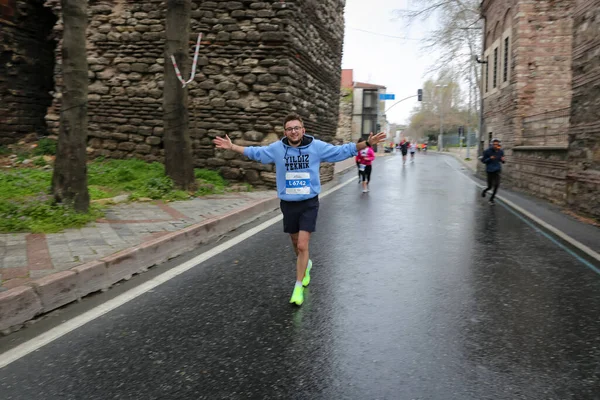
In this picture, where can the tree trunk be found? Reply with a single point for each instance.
(178, 154)
(69, 181)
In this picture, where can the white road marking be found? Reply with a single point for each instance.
(582, 247)
(74, 323)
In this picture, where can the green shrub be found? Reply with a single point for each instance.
(40, 162)
(45, 147)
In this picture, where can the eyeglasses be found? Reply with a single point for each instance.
(293, 128)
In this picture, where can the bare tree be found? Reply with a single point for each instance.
(457, 39)
(178, 153)
(69, 180)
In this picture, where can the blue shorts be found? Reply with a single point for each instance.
(300, 215)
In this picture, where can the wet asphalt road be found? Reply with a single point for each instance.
(420, 290)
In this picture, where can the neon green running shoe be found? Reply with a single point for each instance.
(298, 296)
(306, 279)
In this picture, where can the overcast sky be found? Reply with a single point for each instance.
(398, 64)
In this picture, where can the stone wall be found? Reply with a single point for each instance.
(583, 192)
(26, 64)
(344, 129)
(540, 172)
(539, 80)
(258, 61)
(543, 55)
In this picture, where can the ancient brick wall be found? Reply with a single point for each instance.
(543, 55)
(26, 63)
(541, 173)
(538, 35)
(584, 139)
(344, 129)
(500, 109)
(258, 61)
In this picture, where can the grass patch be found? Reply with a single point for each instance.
(42, 216)
(209, 182)
(27, 206)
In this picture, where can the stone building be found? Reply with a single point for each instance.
(583, 176)
(527, 90)
(541, 96)
(258, 61)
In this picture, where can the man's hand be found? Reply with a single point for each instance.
(380, 137)
(223, 143)
(502, 159)
(492, 157)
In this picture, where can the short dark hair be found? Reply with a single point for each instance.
(292, 117)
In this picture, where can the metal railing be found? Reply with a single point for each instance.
(547, 129)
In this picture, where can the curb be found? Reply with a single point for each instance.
(541, 223)
(23, 303)
(457, 157)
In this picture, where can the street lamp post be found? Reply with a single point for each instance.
(441, 137)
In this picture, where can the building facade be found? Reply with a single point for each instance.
(527, 90)
(541, 94)
(583, 177)
(368, 113)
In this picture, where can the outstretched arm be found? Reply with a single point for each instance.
(373, 140)
(331, 153)
(263, 154)
(226, 144)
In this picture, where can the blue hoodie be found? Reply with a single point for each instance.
(494, 165)
(298, 167)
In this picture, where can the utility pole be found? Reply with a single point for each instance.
(441, 137)
(469, 112)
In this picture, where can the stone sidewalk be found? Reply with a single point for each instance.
(42, 272)
(461, 154)
(25, 257)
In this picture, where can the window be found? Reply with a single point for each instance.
(369, 99)
(490, 136)
(495, 67)
(506, 52)
(487, 72)
(367, 126)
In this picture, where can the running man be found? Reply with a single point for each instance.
(404, 150)
(493, 158)
(413, 149)
(297, 158)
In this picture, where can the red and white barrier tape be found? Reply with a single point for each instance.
(193, 74)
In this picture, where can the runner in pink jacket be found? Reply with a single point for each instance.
(365, 159)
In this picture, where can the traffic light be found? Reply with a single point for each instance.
(420, 94)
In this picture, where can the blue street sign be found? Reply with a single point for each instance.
(387, 96)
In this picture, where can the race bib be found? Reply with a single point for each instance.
(361, 167)
(297, 182)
